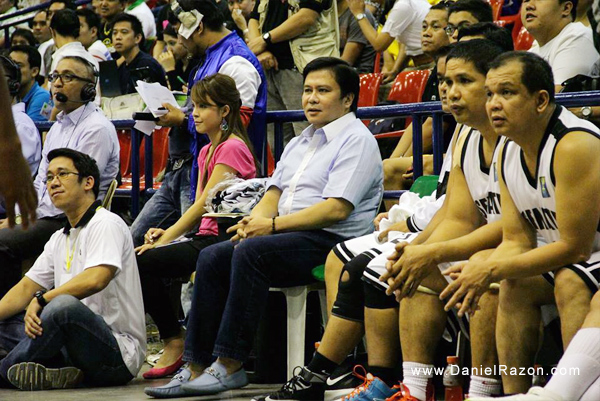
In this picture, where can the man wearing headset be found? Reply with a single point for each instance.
(81, 126)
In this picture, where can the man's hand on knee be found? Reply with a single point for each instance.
(33, 323)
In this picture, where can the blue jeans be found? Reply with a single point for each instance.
(73, 336)
(232, 285)
(166, 206)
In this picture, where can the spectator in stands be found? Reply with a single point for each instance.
(165, 15)
(285, 41)
(175, 60)
(9, 7)
(326, 187)
(57, 5)
(561, 266)
(89, 23)
(65, 31)
(216, 113)
(203, 35)
(465, 13)
(81, 126)
(48, 48)
(566, 45)
(490, 31)
(240, 14)
(31, 141)
(433, 37)
(40, 25)
(99, 291)
(354, 47)
(107, 11)
(142, 12)
(134, 64)
(30, 92)
(404, 25)
(23, 36)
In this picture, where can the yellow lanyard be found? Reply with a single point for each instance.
(71, 253)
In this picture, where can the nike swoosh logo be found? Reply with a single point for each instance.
(331, 382)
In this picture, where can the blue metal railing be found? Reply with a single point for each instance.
(417, 111)
(26, 11)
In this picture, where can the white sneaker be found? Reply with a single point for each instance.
(534, 394)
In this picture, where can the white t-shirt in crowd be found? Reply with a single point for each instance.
(144, 14)
(246, 77)
(570, 53)
(104, 240)
(42, 50)
(404, 23)
(99, 51)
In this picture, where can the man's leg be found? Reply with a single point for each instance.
(17, 245)
(12, 331)
(573, 297)
(333, 271)
(165, 207)
(275, 102)
(289, 84)
(89, 343)
(518, 326)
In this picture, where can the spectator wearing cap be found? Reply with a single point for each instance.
(30, 92)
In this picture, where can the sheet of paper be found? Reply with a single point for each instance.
(154, 95)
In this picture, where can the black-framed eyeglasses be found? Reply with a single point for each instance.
(66, 77)
(60, 175)
(450, 29)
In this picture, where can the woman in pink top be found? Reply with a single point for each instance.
(217, 113)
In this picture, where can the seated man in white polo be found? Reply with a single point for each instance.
(78, 314)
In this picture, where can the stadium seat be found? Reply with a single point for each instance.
(369, 89)
(408, 87)
(496, 8)
(125, 151)
(524, 40)
(160, 157)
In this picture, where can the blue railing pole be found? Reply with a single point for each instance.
(438, 142)
(278, 140)
(135, 172)
(417, 145)
(148, 170)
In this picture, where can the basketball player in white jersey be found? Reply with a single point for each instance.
(472, 201)
(550, 179)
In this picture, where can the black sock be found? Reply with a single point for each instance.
(385, 374)
(321, 365)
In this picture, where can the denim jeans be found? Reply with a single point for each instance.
(72, 335)
(166, 206)
(232, 285)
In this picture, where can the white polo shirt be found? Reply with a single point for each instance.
(404, 23)
(101, 238)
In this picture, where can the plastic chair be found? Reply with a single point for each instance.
(369, 89)
(124, 137)
(295, 298)
(524, 40)
(408, 87)
(496, 8)
(160, 157)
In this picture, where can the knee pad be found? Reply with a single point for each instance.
(376, 298)
(349, 303)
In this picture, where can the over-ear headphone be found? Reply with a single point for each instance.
(88, 92)
(13, 75)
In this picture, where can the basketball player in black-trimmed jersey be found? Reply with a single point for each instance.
(549, 188)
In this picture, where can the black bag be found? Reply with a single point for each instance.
(580, 83)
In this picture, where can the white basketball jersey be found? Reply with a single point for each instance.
(481, 179)
(535, 197)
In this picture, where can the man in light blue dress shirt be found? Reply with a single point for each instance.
(326, 188)
(80, 126)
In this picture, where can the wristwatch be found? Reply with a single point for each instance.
(360, 16)
(586, 112)
(40, 297)
(267, 38)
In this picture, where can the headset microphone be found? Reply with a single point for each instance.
(61, 97)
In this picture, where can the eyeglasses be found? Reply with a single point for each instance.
(450, 29)
(61, 176)
(66, 77)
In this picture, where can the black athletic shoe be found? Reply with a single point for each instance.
(32, 376)
(304, 386)
(341, 383)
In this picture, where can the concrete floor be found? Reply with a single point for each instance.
(134, 391)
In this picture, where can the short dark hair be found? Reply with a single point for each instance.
(170, 30)
(136, 25)
(444, 50)
(480, 9)
(573, 10)
(33, 56)
(212, 19)
(477, 51)
(25, 33)
(69, 4)
(66, 23)
(85, 165)
(442, 5)
(536, 73)
(490, 31)
(345, 76)
(90, 69)
(91, 18)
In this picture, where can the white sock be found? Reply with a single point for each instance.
(579, 367)
(592, 393)
(416, 376)
(484, 387)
